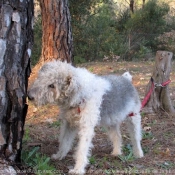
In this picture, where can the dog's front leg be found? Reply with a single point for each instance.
(85, 135)
(67, 136)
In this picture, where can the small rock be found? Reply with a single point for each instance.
(35, 110)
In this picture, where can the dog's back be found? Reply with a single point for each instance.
(121, 100)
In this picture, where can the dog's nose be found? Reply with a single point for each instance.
(31, 98)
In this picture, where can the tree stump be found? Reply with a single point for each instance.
(160, 100)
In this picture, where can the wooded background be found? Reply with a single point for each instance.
(131, 30)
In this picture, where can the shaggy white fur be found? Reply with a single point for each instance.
(128, 76)
(86, 100)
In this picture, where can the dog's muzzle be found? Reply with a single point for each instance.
(30, 96)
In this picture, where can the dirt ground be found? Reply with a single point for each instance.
(158, 131)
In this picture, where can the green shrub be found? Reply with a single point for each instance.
(101, 30)
(36, 52)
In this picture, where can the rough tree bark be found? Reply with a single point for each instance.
(160, 100)
(16, 39)
(57, 34)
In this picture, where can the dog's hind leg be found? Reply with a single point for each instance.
(134, 129)
(115, 137)
(67, 136)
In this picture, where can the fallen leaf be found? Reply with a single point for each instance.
(147, 128)
(167, 153)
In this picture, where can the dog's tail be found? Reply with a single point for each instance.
(128, 76)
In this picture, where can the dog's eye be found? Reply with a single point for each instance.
(51, 86)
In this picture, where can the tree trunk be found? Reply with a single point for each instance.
(131, 6)
(160, 100)
(57, 33)
(16, 39)
(143, 5)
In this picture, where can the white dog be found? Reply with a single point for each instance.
(87, 100)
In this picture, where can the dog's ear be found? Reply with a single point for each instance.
(70, 86)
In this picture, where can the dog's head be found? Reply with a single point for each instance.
(55, 84)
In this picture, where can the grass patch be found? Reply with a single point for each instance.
(92, 160)
(40, 163)
(165, 165)
(26, 136)
(128, 154)
(147, 135)
(55, 124)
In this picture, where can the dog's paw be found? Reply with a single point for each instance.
(57, 156)
(138, 154)
(77, 171)
(116, 153)
(54, 156)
